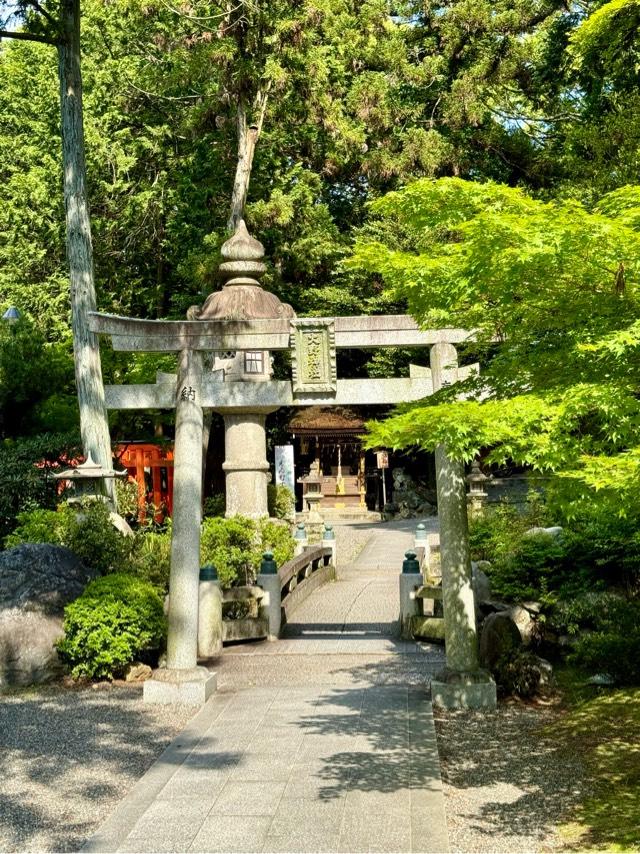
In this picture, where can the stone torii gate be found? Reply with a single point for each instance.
(243, 318)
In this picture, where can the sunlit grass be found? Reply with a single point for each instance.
(603, 727)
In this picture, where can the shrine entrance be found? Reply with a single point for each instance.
(243, 318)
(332, 436)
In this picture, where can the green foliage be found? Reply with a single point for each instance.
(150, 557)
(276, 537)
(37, 526)
(593, 611)
(127, 497)
(552, 289)
(533, 569)
(87, 530)
(280, 501)
(35, 382)
(231, 546)
(235, 546)
(26, 469)
(214, 505)
(614, 652)
(117, 619)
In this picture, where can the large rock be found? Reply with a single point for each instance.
(480, 581)
(499, 637)
(36, 581)
(525, 618)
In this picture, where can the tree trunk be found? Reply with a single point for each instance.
(247, 138)
(94, 426)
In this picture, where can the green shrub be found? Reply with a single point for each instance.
(498, 530)
(92, 536)
(605, 549)
(531, 569)
(276, 537)
(280, 501)
(151, 557)
(214, 505)
(26, 480)
(116, 620)
(127, 498)
(616, 653)
(232, 546)
(591, 611)
(37, 526)
(235, 546)
(85, 529)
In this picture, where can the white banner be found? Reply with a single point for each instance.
(285, 473)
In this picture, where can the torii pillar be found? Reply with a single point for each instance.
(462, 684)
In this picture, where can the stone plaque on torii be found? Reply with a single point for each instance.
(241, 324)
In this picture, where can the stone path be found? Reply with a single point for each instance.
(323, 741)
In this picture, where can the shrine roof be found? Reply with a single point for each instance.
(326, 421)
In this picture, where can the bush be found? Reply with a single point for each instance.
(280, 501)
(231, 545)
(214, 505)
(276, 537)
(37, 526)
(127, 498)
(532, 569)
(592, 611)
(151, 557)
(235, 546)
(612, 652)
(26, 480)
(116, 620)
(85, 529)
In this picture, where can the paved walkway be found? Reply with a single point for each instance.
(323, 741)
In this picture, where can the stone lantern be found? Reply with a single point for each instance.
(312, 485)
(242, 298)
(88, 479)
(477, 494)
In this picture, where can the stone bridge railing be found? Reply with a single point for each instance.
(266, 606)
(301, 575)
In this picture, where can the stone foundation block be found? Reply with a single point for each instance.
(464, 694)
(180, 687)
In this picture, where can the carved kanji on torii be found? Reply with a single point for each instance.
(242, 324)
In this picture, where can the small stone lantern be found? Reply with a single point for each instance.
(312, 496)
(88, 479)
(477, 495)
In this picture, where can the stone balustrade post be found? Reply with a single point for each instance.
(271, 602)
(301, 539)
(410, 581)
(209, 613)
(329, 542)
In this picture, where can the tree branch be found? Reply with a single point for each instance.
(29, 37)
(35, 5)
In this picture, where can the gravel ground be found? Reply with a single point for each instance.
(67, 756)
(506, 785)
